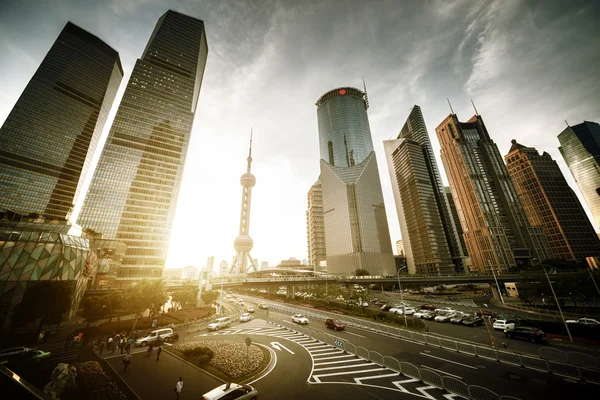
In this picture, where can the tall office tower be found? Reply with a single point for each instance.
(133, 193)
(315, 226)
(400, 247)
(459, 231)
(431, 241)
(49, 138)
(223, 268)
(495, 227)
(242, 244)
(551, 204)
(580, 147)
(356, 229)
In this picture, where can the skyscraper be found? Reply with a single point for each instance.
(133, 193)
(356, 229)
(430, 236)
(244, 243)
(580, 147)
(49, 138)
(497, 232)
(315, 226)
(551, 204)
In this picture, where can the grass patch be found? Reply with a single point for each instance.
(229, 361)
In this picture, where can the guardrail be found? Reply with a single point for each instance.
(426, 375)
(552, 366)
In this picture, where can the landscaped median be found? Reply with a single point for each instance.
(226, 359)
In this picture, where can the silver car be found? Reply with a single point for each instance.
(232, 391)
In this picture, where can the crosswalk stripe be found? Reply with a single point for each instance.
(350, 372)
(344, 367)
(337, 362)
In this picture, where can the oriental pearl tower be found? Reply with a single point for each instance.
(243, 243)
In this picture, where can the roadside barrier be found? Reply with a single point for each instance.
(570, 364)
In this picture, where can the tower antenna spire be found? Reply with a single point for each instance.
(250, 150)
(475, 108)
(366, 96)
(451, 110)
(567, 123)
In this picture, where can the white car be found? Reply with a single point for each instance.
(219, 323)
(300, 319)
(502, 324)
(245, 317)
(584, 321)
(409, 311)
(443, 317)
(393, 310)
(231, 391)
(445, 310)
(422, 314)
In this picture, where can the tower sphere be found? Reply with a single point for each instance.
(243, 243)
(248, 180)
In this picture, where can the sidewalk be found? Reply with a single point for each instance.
(151, 379)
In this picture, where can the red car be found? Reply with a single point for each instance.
(334, 324)
(429, 307)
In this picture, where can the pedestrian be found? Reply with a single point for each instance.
(101, 347)
(126, 362)
(128, 345)
(179, 387)
(150, 347)
(109, 343)
(122, 344)
(158, 351)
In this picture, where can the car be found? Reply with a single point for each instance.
(155, 336)
(334, 324)
(263, 306)
(299, 319)
(385, 307)
(250, 309)
(409, 311)
(245, 317)
(583, 321)
(445, 310)
(473, 321)
(422, 313)
(231, 391)
(429, 307)
(445, 317)
(534, 335)
(502, 324)
(430, 316)
(219, 323)
(458, 318)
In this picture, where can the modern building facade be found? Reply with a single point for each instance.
(242, 244)
(133, 194)
(315, 225)
(356, 229)
(400, 247)
(431, 241)
(34, 250)
(580, 147)
(50, 136)
(496, 230)
(551, 204)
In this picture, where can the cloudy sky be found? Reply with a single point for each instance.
(528, 65)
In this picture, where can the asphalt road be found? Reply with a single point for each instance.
(501, 378)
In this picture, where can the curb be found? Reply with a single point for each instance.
(122, 380)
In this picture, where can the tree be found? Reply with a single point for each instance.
(361, 272)
(209, 296)
(115, 299)
(145, 295)
(47, 302)
(96, 308)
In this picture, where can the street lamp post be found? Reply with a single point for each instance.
(496, 279)
(401, 298)
(557, 304)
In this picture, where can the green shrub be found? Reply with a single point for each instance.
(201, 354)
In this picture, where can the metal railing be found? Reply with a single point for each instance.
(426, 375)
(569, 367)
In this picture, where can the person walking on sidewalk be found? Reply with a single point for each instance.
(101, 346)
(126, 362)
(158, 351)
(179, 387)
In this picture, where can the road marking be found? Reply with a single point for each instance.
(425, 394)
(450, 361)
(344, 366)
(312, 351)
(333, 358)
(356, 334)
(327, 354)
(350, 372)
(336, 362)
(337, 337)
(443, 372)
(359, 380)
(279, 346)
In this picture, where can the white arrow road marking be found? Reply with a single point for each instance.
(279, 346)
(425, 394)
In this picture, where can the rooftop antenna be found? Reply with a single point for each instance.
(450, 105)
(567, 123)
(366, 96)
(475, 108)
(250, 151)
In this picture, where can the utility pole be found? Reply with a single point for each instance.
(558, 305)
(496, 279)
(401, 298)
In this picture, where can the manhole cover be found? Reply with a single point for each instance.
(480, 366)
(515, 377)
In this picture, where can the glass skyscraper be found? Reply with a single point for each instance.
(431, 242)
(497, 232)
(49, 138)
(356, 229)
(133, 193)
(580, 147)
